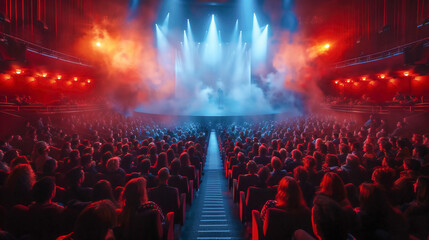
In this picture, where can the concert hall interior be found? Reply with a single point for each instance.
(214, 119)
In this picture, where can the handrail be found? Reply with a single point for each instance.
(49, 52)
(379, 55)
(50, 108)
(422, 107)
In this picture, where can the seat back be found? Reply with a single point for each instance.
(257, 197)
(166, 198)
(280, 224)
(143, 225)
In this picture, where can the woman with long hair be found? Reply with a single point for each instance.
(134, 203)
(289, 198)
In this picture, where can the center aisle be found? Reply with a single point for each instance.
(211, 215)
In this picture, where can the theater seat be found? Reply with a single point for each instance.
(169, 201)
(255, 200)
(280, 224)
(147, 225)
(242, 184)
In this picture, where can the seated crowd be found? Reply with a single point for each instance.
(318, 178)
(98, 176)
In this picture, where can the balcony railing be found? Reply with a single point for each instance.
(380, 55)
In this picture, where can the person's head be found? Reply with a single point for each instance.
(18, 160)
(263, 150)
(102, 190)
(184, 159)
(372, 199)
(300, 174)
(94, 222)
(289, 194)
(44, 190)
(163, 175)
(328, 219)
(332, 160)
(144, 166)
(263, 173)
(134, 193)
(276, 163)
(41, 148)
(310, 162)
(175, 167)
(21, 178)
(384, 177)
(352, 160)
(86, 160)
(333, 186)
(152, 150)
(421, 188)
(296, 155)
(161, 161)
(252, 167)
(113, 164)
(411, 164)
(368, 148)
(75, 177)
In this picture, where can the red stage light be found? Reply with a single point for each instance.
(336, 82)
(53, 81)
(348, 80)
(98, 44)
(69, 83)
(363, 78)
(382, 76)
(18, 71)
(89, 81)
(75, 79)
(44, 74)
(406, 74)
(59, 77)
(327, 46)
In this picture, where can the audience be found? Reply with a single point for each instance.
(82, 167)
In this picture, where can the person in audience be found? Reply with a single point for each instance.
(161, 162)
(263, 175)
(95, 222)
(176, 180)
(18, 186)
(75, 191)
(277, 174)
(378, 219)
(114, 174)
(301, 175)
(356, 173)
(185, 168)
(290, 199)
(166, 197)
(314, 176)
(329, 221)
(417, 213)
(252, 179)
(103, 191)
(134, 202)
(262, 158)
(144, 172)
(296, 161)
(44, 214)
